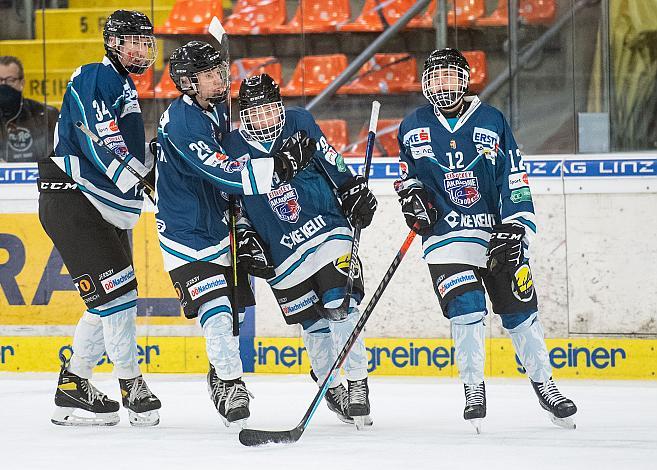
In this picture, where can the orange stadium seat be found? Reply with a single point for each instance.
(530, 11)
(314, 73)
(316, 16)
(144, 84)
(462, 13)
(335, 131)
(370, 19)
(255, 16)
(385, 144)
(191, 17)
(478, 69)
(385, 73)
(166, 88)
(243, 68)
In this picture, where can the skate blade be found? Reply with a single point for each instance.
(145, 419)
(64, 416)
(566, 423)
(476, 423)
(363, 422)
(239, 423)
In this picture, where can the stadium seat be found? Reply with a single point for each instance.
(385, 144)
(255, 16)
(335, 131)
(243, 68)
(316, 16)
(370, 19)
(191, 17)
(531, 12)
(478, 69)
(462, 13)
(385, 73)
(166, 88)
(314, 73)
(144, 84)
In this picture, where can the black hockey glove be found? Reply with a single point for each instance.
(153, 147)
(358, 202)
(505, 250)
(295, 155)
(251, 253)
(418, 211)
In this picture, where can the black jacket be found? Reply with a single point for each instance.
(27, 136)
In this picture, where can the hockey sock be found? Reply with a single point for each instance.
(355, 365)
(319, 345)
(468, 332)
(529, 342)
(222, 347)
(120, 333)
(88, 345)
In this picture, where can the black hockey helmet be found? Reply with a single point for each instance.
(134, 48)
(195, 57)
(261, 108)
(445, 77)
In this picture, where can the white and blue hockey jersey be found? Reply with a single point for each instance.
(473, 170)
(106, 102)
(191, 171)
(301, 222)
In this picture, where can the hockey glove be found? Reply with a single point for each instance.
(251, 253)
(153, 147)
(505, 250)
(295, 155)
(358, 202)
(418, 211)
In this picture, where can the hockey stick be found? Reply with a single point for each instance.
(254, 437)
(342, 311)
(115, 154)
(217, 31)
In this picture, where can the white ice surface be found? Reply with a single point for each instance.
(418, 424)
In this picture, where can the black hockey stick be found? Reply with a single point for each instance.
(343, 309)
(217, 31)
(116, 155)
(254, 437)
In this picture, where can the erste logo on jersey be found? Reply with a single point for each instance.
(417, 136)
(284, 201)
(486, 142)
(463, 188)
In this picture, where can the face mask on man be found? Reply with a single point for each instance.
(10, 100)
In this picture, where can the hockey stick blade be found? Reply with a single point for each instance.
(254, 437)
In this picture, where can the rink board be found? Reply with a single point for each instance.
(586, 358)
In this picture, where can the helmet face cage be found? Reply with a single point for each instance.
(213, 84)
(264, 123)
(444, 85)
(135, 52)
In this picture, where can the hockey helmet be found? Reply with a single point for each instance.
(445, 77)
(262, 113)
(198, 57)
(129, 41)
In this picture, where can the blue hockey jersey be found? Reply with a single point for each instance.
(191, 171)
(301, 222)
(106, 102)
(473, 170)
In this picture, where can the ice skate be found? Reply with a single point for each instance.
(79, 403)
(475, 405)
(230, 398)
(337, 400)
(140, 402)
(559, 408)
(359, 403)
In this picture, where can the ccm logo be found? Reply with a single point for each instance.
(57, 186)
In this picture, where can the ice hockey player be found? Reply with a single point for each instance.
(306, 230)
(464, 184)
(192, 170)
(87, 204)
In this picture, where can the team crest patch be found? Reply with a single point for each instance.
(523, 284)
(284, 201)
(463, 188)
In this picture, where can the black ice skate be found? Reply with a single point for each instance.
(475, 404)
(560, 408)
(230, 398)
(78, 403)
(337, 400)
(359, 403)
(140, 402)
